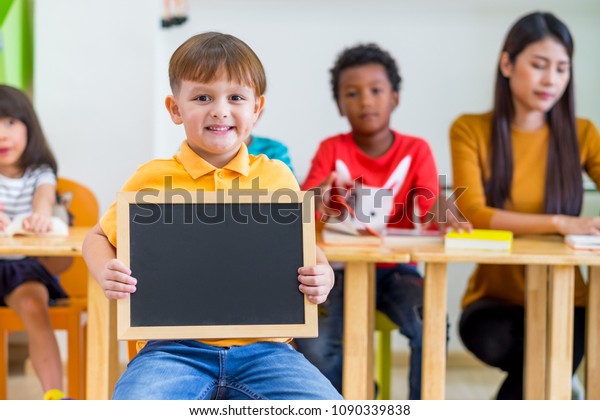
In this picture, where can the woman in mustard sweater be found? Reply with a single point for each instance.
(521, 165)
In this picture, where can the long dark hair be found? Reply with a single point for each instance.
(15, 104)
(564, 182)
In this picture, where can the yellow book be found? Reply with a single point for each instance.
(479, 239)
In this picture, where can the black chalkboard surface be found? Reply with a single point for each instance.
(216, 268)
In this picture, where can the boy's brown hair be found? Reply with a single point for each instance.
(203, 56)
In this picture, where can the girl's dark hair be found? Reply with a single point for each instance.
(15, 104)
(360, 55)
(564, 182)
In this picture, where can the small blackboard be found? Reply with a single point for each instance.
(217, 265)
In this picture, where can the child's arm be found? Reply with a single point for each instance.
(323, 196)
(316, 281)
(112, 275)
(4, 221)
(522, 223)
(322, 177)
(38, 221)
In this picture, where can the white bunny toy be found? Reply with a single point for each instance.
(373, 205)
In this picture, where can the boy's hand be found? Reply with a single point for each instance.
(316, 282)
(323, 196)
(37, 223)
(116, 281)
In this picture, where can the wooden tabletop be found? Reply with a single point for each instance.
(349, 253)
(530, 250)
(40, 246)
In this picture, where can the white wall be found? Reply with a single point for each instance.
(101, 70)
(94, 87)
(101, 73)
(446, 50)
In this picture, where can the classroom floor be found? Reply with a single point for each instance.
(462, 383)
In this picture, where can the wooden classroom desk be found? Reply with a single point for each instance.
(102, 355)
(359, 312)
(70, 246)
(549, 299)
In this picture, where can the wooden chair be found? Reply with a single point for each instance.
(71, 316)
(383, 355)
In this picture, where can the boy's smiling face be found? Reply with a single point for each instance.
(217, 116)
(366, 98)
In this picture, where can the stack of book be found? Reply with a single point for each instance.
(341, 233)
(344, 233)
(583, 242)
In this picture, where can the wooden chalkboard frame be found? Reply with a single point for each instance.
(127, 331)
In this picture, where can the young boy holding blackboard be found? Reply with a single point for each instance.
(218, 86)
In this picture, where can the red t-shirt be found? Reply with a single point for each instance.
(406, 173)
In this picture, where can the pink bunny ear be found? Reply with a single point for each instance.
(397, 177)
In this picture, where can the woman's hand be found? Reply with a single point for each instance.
(571, 225)
(448, 217)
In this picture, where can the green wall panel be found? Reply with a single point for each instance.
(16, 43)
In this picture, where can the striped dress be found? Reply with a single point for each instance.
(16, 197)
(16, 194)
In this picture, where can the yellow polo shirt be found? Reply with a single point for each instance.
(186, 170)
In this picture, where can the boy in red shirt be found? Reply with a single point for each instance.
(394, 179)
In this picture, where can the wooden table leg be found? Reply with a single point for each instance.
(359, 322)
(536, 320)
(560, 334)
(433, 377)
(102, 345)
(592, 340)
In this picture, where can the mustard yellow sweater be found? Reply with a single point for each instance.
(470, 144)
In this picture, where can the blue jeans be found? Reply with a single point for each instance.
(399, 294)
(190, 370)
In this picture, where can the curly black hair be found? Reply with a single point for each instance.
(360, 55)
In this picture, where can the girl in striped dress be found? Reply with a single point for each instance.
(28, 187)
